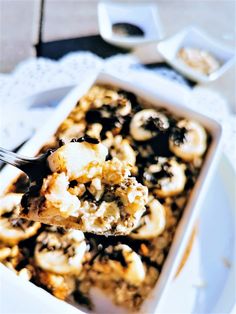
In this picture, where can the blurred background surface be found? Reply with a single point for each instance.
(64, 19)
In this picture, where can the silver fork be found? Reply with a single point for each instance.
(34, 167)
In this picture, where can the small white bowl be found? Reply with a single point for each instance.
(195, 38)
(145, 16)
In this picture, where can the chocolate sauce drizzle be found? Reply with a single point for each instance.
(105, 253)
(20, 223)
(154, 124)
(154, 177)
(108, 116)
(115, 255)
(67, 248)
(178, 135)
(85, 138)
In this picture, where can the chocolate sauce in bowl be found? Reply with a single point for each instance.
(127, 29)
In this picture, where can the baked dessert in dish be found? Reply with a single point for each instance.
(84, 191)
(160, 151)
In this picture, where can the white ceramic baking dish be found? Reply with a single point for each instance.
(9, 173)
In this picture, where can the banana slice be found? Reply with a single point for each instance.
(13, 229)
(65, 159)
(188, 140)
(120, 262)
(8, 252)
(110, 103)
(166, 177)
(152, 223)
(120, 148)
(60, 286)
(148, 123)
(61, 254)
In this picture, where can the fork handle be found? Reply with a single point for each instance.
(34, 167)
(10, 157)
(14, 159)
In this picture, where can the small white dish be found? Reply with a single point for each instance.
(195, 38)
(144, 16)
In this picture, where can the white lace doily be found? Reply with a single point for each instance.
(18, 121)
